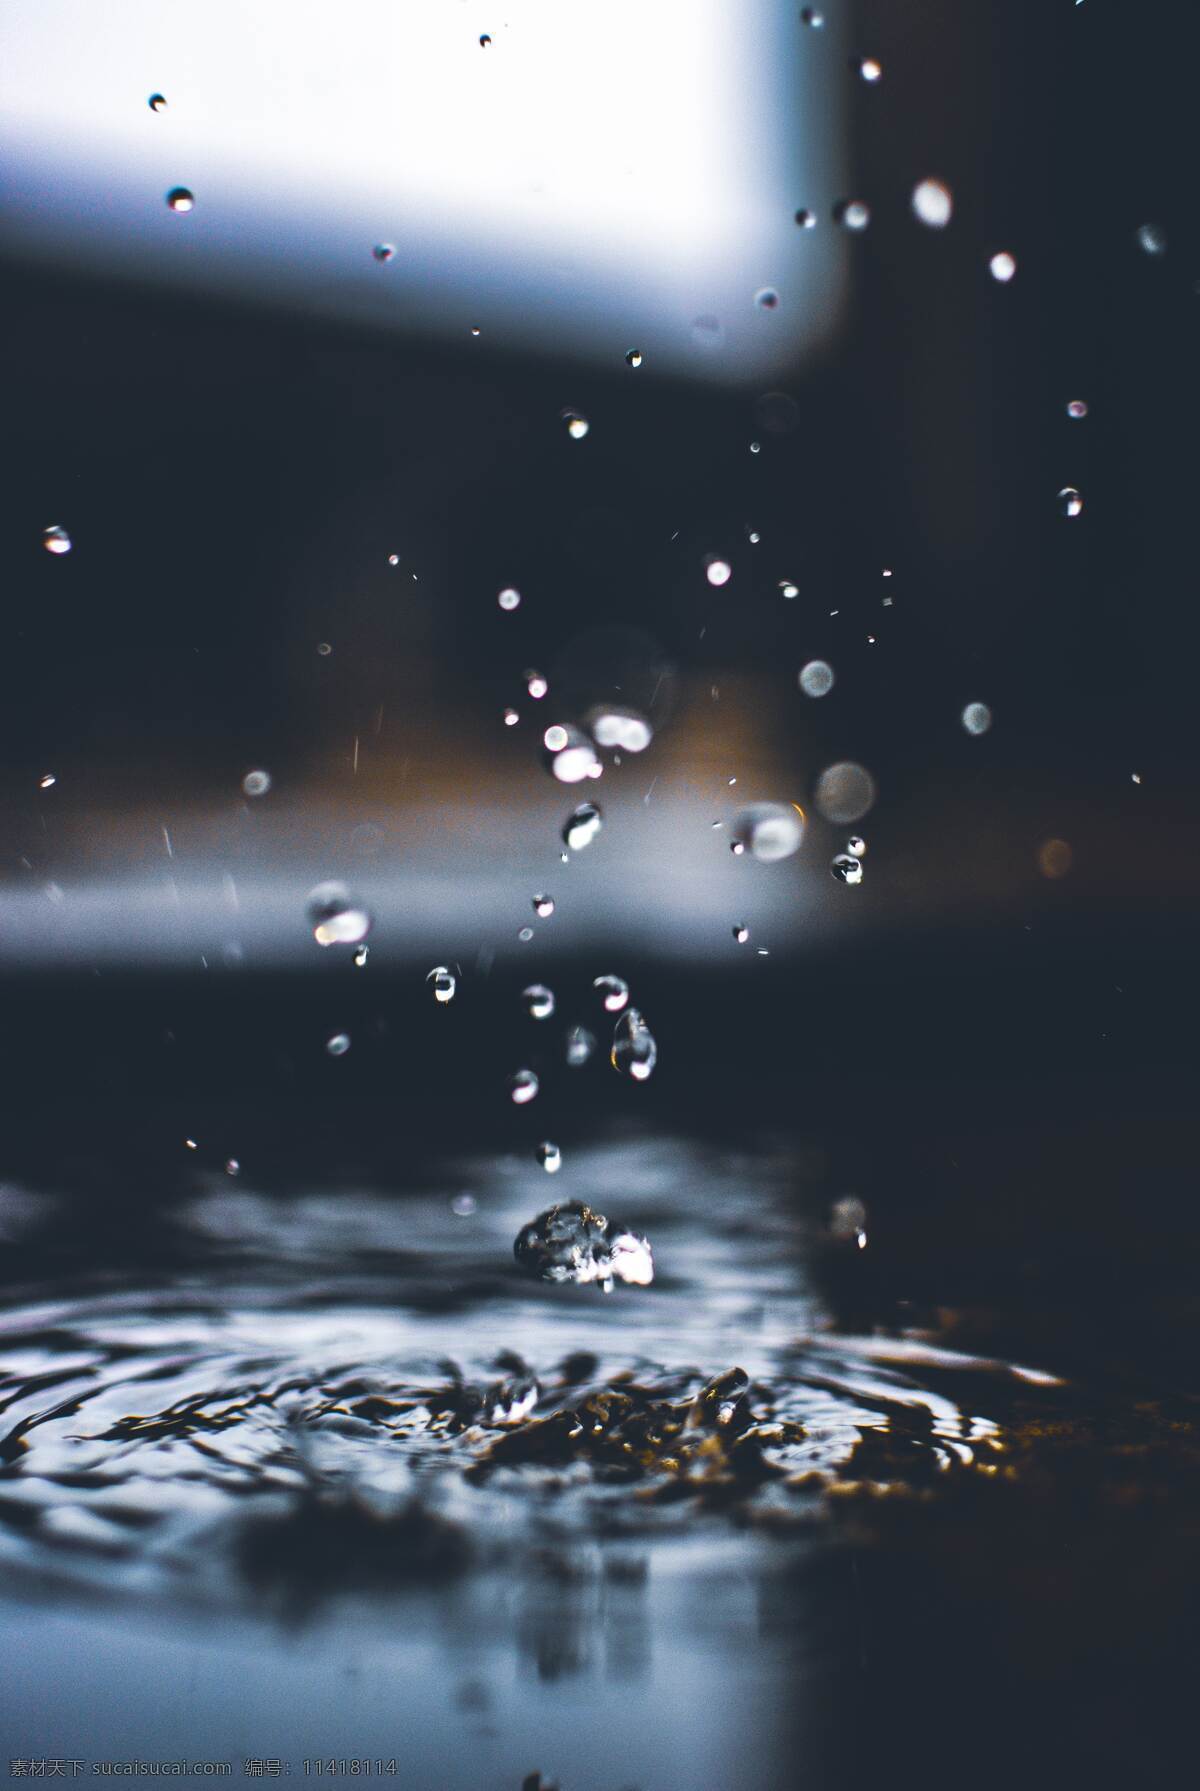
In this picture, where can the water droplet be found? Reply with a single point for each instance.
(232, 1166)
(511, 718)
(582, 825)
(856, 845)
(570, 1242)
(717, 571)
(767, 299)
(613, 992)
(157, 102)
(572, 755)
(191, 1143)
(870, 70)
(1152, 239)
(810, 16)
(577, 424)
(580, 1045)
(1054, 859)
(852, 214)
(1077, 407)
(55, 539)
(47, 782)
(1070, 503)
(338, 1045)
(617, 725)
(525, 935)
(741, 933)
(361, 956)
(475, 330)
(508, 598)
(523, 1087)
(848, 1220)
(463, 1205)
(336, 917)
(324, 649)
(1003, 266)
(844, 792)
(180, 200)
(256, 783)
(536, 685)
(634, 1051)
(816, 678)
(384, 251)
(485, 40)
(977, 718)
(393, 559)
(633, 357)
(444, 981)
(539, 1001)
(737, 847)
(806, 219)
(549, 1156)
(771, 831)
(788, 589)
(933, 204)
(543, 906)
(846, 868)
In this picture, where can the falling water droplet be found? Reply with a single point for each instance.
(633, 357)
(870, 70)
(256, 783)
(463, 1205)
(157, 102)
(539, 1001)
(852, 214)
(1076, 408)
(509, 598)
(1003, 266)
(806, 219)
(179, 199)
(577, 424)
(361, 956)
(933, 204)
(511, 718)
(522, 1087)
(717, 571)
(847, 868)
(613, 992)
(810, 16)
(769, 830)
(338, 1045)
(617, 725)
(634, 1051)
(580, 1045)
(1070, 503)
(977, 718)
(844, 792)
(570, 1242)
(55, 539)
(582, 825)
(543, 906)
(767, 299)
(1152, 239)
(336, 917)
(324, 649)
(444, 982)
(571, 754)
(741, 933)
(816, 678)
(232, 1166)
(788, 589)
(549, 1156)
(485, 40)
(47, 782)
(536, 685)
(856, 845)
(384, 251)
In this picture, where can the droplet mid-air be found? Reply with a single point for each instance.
(844, 792)
(809, 15)
(1077, 408)
(613, 992)
(634, 1048)
(157, 102)
(511, 718)
(620, 727)
(852, 214)
(767, 299)
(1152, 239)
(338, 1045)
(1002, 266)
(256, 783)
(536, 685)
(443, 982)
(816, 679)
(1070, 503)
(770, 831)
(847, 868)
(933, 204)
(580, 1047)
(539, 1001)
(336, 917)
(522, 1087)
(870, 70)
(543, 905)
(717, 571)
(573, 1243)
(384, 251)
(179, 199)
(571, 755)
(509, 598)
(806, 219)
(633, 357)
(741, 934)
(581, 826)
(856, 845)
(47, 782)
(977, 718)
(576, 423)
(55, 539)
(549, 1156)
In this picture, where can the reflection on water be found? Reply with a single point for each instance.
(346, 1417)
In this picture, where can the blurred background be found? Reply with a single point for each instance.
(648, 316)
